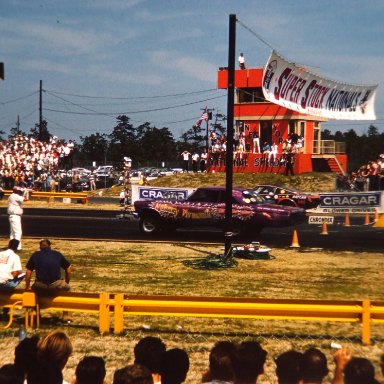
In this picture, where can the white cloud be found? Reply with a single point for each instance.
(45, 65)
(56, 38)
(114, 5)
(125, 77)
(193, 67)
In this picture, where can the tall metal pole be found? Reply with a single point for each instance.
(230, 131)
(41, 109)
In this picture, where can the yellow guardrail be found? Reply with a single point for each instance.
(363, 312)
(56, 195)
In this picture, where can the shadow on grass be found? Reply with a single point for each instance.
(211, 262)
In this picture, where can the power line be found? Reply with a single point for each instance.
(18, 99)
(255, 34)
(130, 112)
(133, 98)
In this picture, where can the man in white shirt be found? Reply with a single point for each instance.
(15, 211)
(10, 266)
(241, 61)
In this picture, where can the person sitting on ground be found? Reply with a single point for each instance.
(133, 374)
(10, 266)
(174, 366)
(90, 370)
(220, 363)
(47, 264)
(314, 366)
(288, 367)
(359, 371)
(248, 363)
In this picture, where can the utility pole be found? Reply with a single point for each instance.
(230, 130)
(18, 125)
(1, 71)
(41, 109)
(209, 112)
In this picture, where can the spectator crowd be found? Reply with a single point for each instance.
(41, 360)
(369, 177)
(29, 163)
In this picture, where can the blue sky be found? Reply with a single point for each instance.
(156, 60)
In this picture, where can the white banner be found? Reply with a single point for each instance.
(293, 87)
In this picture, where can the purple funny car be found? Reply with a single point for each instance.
(205, 207)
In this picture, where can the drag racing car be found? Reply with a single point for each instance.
(287, 196)
(205, 207)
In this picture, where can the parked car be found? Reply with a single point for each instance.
(206, 207)
(104, 171)
(81, 186)
(287, 196)
(81, 171)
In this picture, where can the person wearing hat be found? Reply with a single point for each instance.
(15, 211)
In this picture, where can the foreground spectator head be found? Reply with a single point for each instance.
(248, 362)
(220, 362)
(90, 370)
(133, 374)
(9, 375)
(149, 352)
(359, 371)
(314, 366)
(288, 367)
(174, 366)
(25, 355)
(55, 348)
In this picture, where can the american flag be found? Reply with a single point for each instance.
(203, 117)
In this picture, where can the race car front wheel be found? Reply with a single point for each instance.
(149, 225)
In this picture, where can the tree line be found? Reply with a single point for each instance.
(148, 145)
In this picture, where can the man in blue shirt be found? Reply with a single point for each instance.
(47, 265)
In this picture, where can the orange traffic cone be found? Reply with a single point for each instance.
(376, 219)
(324, 229)
(346, 222)
(366, 221)
(295, 240)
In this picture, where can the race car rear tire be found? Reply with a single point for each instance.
(149, 225)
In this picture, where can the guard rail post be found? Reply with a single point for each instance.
(119, 313)
(104, 319)
(366, 322)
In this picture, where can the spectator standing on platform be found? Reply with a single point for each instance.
(266, 150)
(256, 142)
(47, 264)
(272, 154)
(15, 211)
(10, 266)
(203, 160)
(195, 162)
(289, 158)
(185, 154)
(241, 61)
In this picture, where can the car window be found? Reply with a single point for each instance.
(205, 195)
(250, 197)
